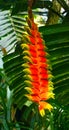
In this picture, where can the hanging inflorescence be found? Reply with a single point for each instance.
(36, 66)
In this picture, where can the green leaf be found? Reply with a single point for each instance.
(7, 33)
(57, 40)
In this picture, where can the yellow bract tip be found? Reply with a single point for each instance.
(28, 96)
(27, 71)
(50, 95)
(24, 46)
(49, 107)
(44, 105)
(28, 89)
(42, 112)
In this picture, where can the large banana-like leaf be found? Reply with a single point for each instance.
(57, 40)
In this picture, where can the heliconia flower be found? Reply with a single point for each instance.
(36, 68)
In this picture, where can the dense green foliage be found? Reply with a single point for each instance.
(15, 112)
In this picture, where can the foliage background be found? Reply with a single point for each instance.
(15, 112)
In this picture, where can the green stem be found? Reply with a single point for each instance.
(4, 120)
(51, 121)
(9, 104)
